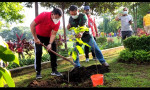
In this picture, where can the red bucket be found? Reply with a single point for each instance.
(97, 79)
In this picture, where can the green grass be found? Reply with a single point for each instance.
(127, 75)
(121, 74)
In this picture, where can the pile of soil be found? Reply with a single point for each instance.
(78, 77)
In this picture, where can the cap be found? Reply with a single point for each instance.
(86, 7)
(73, 8)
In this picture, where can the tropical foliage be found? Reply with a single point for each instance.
(77, 30)
(6, 55)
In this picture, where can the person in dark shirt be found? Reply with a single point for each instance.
(79, 19)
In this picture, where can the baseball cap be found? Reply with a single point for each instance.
(86, 7)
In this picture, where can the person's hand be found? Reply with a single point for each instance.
(120, 14)
(49, 47)
(78, 35)
(68, 26)
(37, 41)
(130, 22)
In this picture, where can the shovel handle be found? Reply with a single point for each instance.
(59, 55)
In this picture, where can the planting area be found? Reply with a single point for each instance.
(78, 77)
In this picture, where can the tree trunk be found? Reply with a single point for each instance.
(134, 18)
(63, 17)
(36, 9)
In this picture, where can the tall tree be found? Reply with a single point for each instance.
(36, 9)
(10, 13)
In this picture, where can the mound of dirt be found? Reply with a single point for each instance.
(78, 77)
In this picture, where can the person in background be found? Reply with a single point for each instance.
(146, 23)
(44, 29)
(93, 31)
(79, 19)
(126, 21)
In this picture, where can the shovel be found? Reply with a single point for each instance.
(59, 55)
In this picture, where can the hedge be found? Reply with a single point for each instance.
(137, 43)
(137, 50)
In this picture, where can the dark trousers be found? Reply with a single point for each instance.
(126, 34)
(38, 53)
(86, 50)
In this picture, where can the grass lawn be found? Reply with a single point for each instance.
(121, 74)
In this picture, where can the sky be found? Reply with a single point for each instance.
(30, 16)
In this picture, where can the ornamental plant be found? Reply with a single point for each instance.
(6, 56)
(72, 51)
(137, 43)
(137, 49)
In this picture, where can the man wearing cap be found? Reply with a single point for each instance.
(79, 19)
(44, 28)
(92, 30)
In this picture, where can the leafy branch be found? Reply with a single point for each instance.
(77, 30)
(6, 55)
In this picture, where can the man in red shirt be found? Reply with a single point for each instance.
(93, 32)
(44, 28)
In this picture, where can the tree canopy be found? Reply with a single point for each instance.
(10, 13)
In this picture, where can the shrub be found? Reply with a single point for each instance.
(137, 43)
(125, 56)
(101, 40)
(137, 56)
(137, 49)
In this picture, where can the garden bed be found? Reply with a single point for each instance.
(78, 77)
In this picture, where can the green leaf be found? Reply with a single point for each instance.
(7, 77)
(72, 28)
(79, 48)
(81, 42)
(16, 60)
(70, 51)
(74, 55)
(3, 43)
(70, 39)
(6, 54)
(1, 80)
(2, 48)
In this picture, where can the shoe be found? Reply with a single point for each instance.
(87, 60)
(56, 73)
(105, 64)
(94, 58)
(38, 75)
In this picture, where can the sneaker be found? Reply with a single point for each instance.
(38, 76)
(105, 64)
(56, 73)
(94, 58)
(87, 60)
